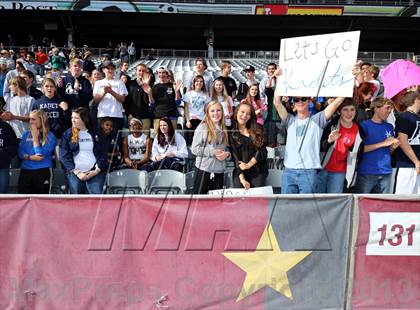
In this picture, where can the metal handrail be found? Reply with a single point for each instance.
(376, 57)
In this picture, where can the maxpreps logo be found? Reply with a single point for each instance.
(28, 5)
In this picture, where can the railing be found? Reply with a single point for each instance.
(375, 57)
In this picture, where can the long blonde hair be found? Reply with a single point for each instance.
(45, 128)
(211, 127)
(213, 93)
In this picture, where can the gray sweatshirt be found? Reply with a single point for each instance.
(204, 152)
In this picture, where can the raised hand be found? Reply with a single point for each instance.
(64, 105)
(334, 135)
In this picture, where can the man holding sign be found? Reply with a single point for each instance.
(304, 133)
(312, 66)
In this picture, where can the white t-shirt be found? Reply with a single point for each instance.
(85, 160)
(109, 105)
(225, 103)
(179, 148)
(308, 157)
(19, 106)
(208, 80)
(136, 146)
(196, 103)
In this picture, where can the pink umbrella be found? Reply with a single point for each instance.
(399, 75)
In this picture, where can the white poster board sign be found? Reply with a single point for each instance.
(255, 191)
(304, 60)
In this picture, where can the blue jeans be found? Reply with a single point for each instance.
(41, 70)
(373, 183)
(4, 180)
(330, 182)
(298, 181)
(94, 185)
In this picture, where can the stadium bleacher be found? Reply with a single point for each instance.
(141, 183)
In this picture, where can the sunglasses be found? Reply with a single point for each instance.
(303, 99)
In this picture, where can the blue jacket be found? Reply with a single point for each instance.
(26, 146)
(68, 150)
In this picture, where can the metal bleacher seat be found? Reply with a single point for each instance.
(275, 157)
(157, 64)
(228, 177)
(189, 181)
(185, 65)
(237, 76)
(166, 181)
(59, 182)
(171, 64)
(127, 181)
(13, 181)
(274, 179)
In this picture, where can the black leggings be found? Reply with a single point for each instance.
(203, 183)
(173, 163)
(189, 132)
(35, 181)
(255, 180)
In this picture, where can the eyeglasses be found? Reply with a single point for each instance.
(303, 99)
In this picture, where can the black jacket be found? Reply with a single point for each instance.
(137, 101)
(8, 144)
(75, 99)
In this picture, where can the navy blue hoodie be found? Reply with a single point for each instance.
(77, 99)
(8, 144)
(58, 119)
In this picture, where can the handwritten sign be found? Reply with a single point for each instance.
(399, 75)
(304, 60)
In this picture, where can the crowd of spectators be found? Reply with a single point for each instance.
(76, 116)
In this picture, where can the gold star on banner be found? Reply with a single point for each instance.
(267, 265)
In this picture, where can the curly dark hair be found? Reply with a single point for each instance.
(256, 132)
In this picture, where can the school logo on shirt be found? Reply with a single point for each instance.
(389, 134)
(70, 90)
(346, 141)
(82, 140)
(415, 138)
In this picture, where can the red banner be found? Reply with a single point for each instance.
(135, 253)
(387, 263)
(271, 9)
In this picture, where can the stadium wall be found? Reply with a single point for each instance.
(147, 252)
